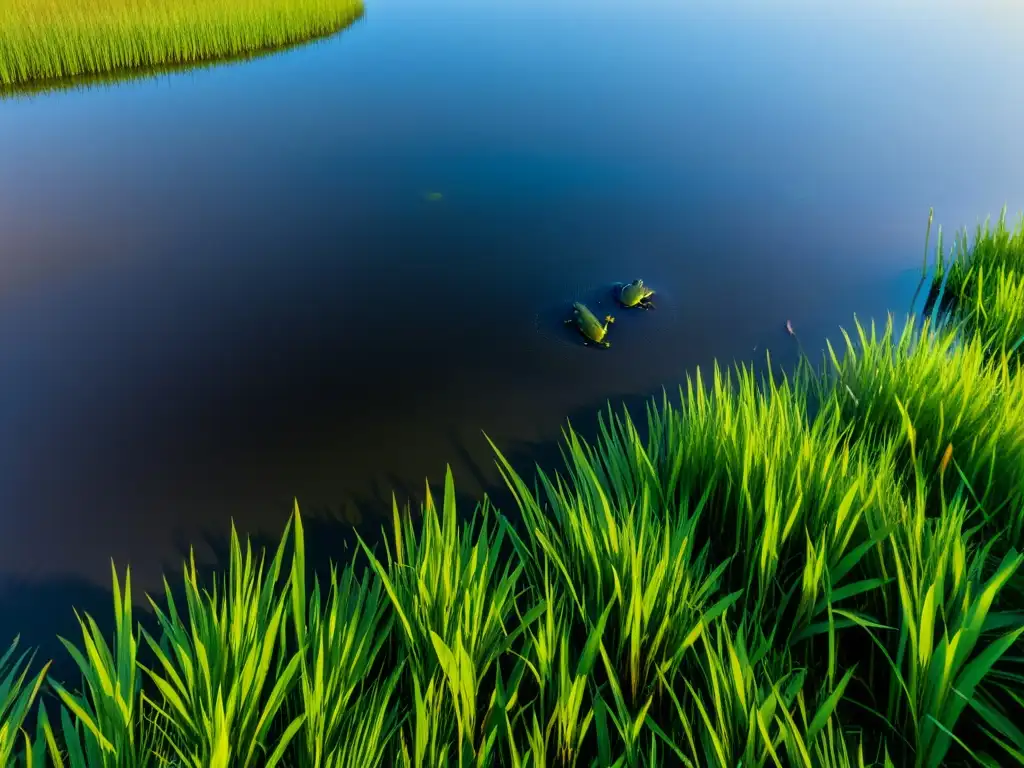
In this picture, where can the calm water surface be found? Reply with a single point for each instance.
(226, 289)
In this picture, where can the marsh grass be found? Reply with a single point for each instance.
(42, 41)
(821, 569)
(32, 88)
(980, 283)
(963, 400)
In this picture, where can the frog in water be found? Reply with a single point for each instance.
(589, 325)
(636, 294)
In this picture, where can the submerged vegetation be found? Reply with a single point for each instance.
(818, 570)
(44, 41)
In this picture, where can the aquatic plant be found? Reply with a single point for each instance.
(44, 41)
(821, 569)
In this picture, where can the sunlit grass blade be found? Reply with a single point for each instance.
(111, 706)
(221, 674)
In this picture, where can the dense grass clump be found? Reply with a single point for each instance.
(817, 570)
(964, 401)
(982, 283)
(44, 40)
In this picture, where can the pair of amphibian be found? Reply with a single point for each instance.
(629, 296)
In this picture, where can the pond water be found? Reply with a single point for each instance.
(324, 273)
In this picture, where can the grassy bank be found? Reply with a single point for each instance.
(818, 571)
(980, 283)
(45, 40)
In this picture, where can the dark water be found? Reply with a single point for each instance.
(222, 290)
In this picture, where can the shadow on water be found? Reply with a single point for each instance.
(136, 74)
(41, 612)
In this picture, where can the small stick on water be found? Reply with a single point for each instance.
(792, 332)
